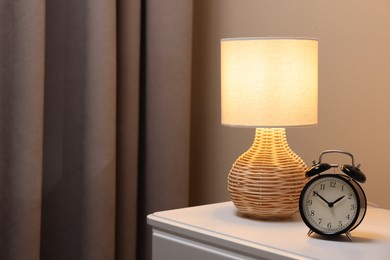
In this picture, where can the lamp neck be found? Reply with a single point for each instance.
(270, 137)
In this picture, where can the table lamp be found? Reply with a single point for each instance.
(268, 84)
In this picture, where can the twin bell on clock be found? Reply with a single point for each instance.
(333, 203)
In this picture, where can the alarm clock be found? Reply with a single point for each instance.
(333, 203)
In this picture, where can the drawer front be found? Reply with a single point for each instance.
(170, 246)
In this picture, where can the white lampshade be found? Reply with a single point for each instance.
(269, 82)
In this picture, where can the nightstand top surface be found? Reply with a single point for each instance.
(219, 224)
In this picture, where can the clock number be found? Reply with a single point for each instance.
(349, 196)
(340, 223)
(332, 184)
(353, 206)
(348, 216)
(342, 187)
(312, 213)
(322, 187)
(329, 225)
(309, 202)
(319, 220)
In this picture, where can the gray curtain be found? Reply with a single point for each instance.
(94, 124)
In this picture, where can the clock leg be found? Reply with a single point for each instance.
(348, 235)
(310, 232)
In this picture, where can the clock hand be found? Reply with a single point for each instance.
(334, 202)
(327, 202)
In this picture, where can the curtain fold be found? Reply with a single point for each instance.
(80, 115)
(128, 93)
(94, 124)
(21, 127)
(166, 109)
(167, 104)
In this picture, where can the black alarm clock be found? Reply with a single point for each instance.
(333, 203)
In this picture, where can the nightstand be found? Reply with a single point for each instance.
(217, 231)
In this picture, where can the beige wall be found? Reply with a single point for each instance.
(354, 86)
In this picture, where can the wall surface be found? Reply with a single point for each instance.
(354, 86)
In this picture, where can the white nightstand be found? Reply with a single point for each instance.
(215, 231)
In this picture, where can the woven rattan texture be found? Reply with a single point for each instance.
(265, 182)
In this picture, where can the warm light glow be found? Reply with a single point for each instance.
(269, 82)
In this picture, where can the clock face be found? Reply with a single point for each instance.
(329, 204)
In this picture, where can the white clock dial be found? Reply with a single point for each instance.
(330, 205)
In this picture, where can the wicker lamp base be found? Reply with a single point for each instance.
(265, 182)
